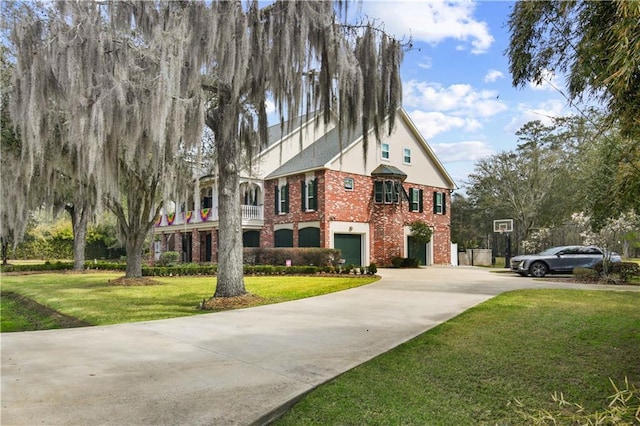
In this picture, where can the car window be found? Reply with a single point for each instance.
(592, 250)
(549, 251)
(569, 250)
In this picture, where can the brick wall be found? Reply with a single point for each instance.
(387, 221)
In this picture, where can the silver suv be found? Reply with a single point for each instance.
(557, 260)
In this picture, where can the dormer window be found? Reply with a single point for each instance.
(387, 186)
(387, 191)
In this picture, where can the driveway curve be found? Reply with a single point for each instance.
(230, 368)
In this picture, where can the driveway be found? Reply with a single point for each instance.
(229, 368)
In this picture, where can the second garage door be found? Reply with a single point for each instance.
(350, 245)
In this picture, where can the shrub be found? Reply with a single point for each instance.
(46, 266)
(396, 262)
(373, 268)
(312, 256)
(588, 274)
(625, 271)
(405, 262)
(168, 258)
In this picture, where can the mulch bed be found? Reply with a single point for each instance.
(130, 282)
(220, 303)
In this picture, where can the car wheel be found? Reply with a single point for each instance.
(538, 269)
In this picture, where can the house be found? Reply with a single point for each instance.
(311, 187)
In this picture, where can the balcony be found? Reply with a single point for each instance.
(249, 214)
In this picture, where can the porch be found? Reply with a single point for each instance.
(250, 214)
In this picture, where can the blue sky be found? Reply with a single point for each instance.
(456, 82)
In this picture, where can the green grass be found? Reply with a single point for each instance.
(525, 345)
(90, 297)
(17, 317)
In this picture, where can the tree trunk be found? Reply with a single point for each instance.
(138, 219)
(5, 250)
(134, 247)
(79, 223)
(230, 264)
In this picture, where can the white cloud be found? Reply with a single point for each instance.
(462, 151)
(433, 123)
(432, 21)
(543, 112)
(425, 63)
(492, 76)
(457, 99)
(551, 82)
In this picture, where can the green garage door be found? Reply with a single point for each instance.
(417, 251)
(350, 246)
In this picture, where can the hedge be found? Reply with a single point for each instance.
(299, 256)
(46, 266)
(624, 270)
(405, 262)
(177, 270)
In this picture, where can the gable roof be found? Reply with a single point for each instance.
(278, 131)
(427, 147)
(327, 148)
(318, 154)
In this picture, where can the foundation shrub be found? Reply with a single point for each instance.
(299, 256)
(624, 271)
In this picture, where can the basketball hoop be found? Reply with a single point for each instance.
(503, 225)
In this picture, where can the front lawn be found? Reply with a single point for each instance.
(521, 345)
(93, 297)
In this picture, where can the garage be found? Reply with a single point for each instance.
(350, 245)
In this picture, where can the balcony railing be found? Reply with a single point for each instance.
(249, 213)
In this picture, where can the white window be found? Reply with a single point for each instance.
(406, 156)
(348, 184)
(439, 203)
(387, 191)
(309, 192)
(282, 197)
(385, 151)
(415, 200)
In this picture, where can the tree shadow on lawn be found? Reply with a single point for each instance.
(35, 312)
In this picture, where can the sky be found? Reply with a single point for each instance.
(456, 82)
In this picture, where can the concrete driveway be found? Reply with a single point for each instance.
(237, 367)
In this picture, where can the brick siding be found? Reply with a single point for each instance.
(387, 221)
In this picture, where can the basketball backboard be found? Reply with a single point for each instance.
(503, 225)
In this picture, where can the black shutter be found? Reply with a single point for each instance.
(444, 203)
(303, 191)
(378, 191)
(411, 199)
(277, 199)
(286, 198)
(315, 194)
(420, 201)
(435, 203)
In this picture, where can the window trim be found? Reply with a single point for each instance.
(387, 191)
(416, 203)
(439, 203)
(404, 156)
(383, 151)
(351, 186)
(281, 197)
(309, 193)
